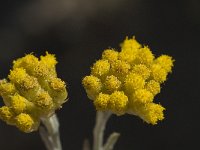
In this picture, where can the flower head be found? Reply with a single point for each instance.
(32, 91)
(127, 81)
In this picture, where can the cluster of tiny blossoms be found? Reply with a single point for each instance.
(127, 81)
(31, 92)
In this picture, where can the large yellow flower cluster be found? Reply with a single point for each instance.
(127, 81)
(31, 92)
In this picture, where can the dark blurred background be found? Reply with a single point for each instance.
(77, 31)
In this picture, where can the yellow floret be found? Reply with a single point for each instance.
(22, 80)
(158, 73)
(152, 113)
(100, 68)
(133, 82)
(165, 62)
(111, 83)
(142, 70)
(130, 44)
(118, 102)
(17, 75)
(120, 68)
(110, 55)
(18, 103)
(92, 85)
(41, 70)
(142, 96)
(49, 60)
(145, 56)
(44, 101)
(57, 90)
(27, 62)
(129, 50)
(24, 122)
(18, 63)
(128, 55)
(6, 113)
(7, 88)
(29, 83)
(101, 102)
(153, 87)
(57, 84)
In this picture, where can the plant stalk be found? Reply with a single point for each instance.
(49, 133)
(98, 132)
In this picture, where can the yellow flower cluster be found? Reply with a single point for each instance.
(127, 81)
(31, 92)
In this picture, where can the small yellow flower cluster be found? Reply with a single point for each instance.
(32, 92)
(127, 81)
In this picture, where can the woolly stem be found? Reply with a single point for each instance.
(50, 133)
(98, 132)
(111, 141)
